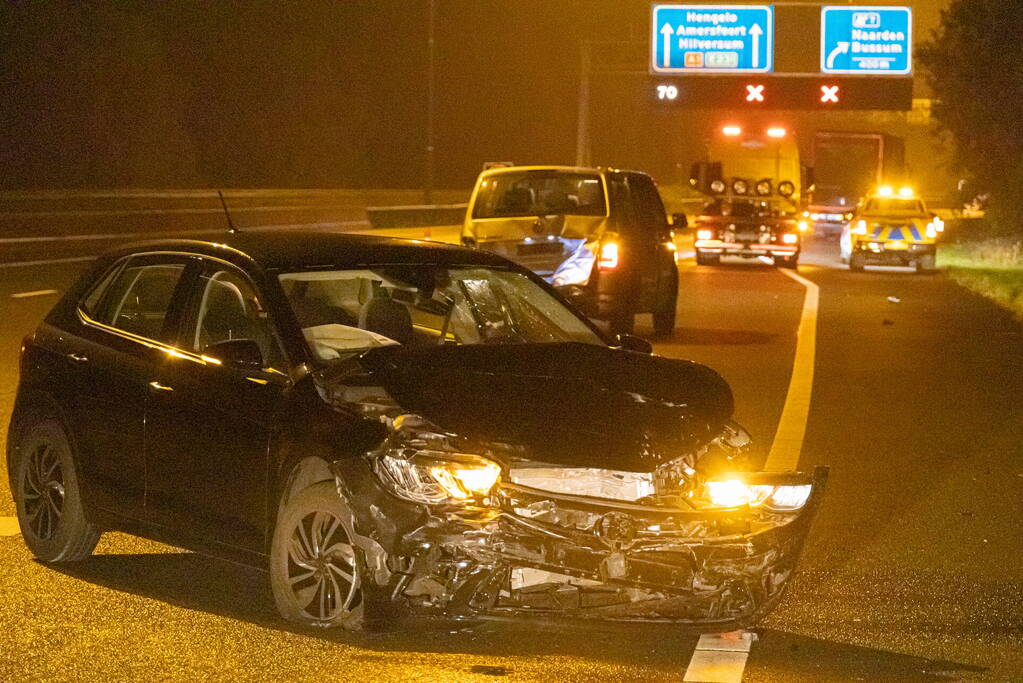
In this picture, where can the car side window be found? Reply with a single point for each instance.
(139, 299)
(228, 309)
(94, 298)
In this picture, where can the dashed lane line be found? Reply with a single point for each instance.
(788, 440)
(720, 658)
(9, 526)
(37, 292)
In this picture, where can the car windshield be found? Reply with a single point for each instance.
(540, 193)
(344, 311)
(894, 205)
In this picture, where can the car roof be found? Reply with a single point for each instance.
(559, 169)
(299, 250)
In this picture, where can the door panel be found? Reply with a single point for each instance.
(207, 433)
(209, 423)
(108, 364)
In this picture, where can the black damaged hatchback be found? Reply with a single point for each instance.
(394, 428)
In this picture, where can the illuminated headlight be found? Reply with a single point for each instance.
(764, 188)
(740, 187)
(438, 477)
(790, 238)
(732, 493)
(860, 228)
(789, 497)
(786, 188)
(704, 234)
(803, 226)
(717, 186)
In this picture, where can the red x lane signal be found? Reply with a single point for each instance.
(754, 93)
(829, 94)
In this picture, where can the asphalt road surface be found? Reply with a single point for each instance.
(913, 570)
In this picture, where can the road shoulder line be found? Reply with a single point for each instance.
(788, 440)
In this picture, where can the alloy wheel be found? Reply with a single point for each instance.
(43, 491)
(322, 572)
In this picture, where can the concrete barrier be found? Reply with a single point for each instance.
(415, 216)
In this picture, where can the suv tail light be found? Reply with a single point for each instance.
(608, 256)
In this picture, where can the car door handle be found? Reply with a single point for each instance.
(78, 357)
(156, 386)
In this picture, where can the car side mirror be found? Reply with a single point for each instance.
(631, 342)
(679, 220)
(242, 353)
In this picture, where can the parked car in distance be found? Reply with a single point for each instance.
(393, 428)
(599, 235)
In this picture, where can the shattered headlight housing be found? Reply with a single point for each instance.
(730, 493)
(435, 478)
(417, 464)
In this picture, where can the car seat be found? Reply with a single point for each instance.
(386, 317)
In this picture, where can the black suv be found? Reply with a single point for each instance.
(599, 235)
(392, 428)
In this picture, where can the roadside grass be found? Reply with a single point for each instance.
(992, 267)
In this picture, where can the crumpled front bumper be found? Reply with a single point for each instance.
(538, 553)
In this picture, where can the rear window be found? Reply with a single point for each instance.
(540, 193)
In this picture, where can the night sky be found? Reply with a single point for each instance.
(314, 94)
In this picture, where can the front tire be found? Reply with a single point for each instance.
(48, 497)
(664, 317)
(787, 261)
(317, 574)
(707, 259)
(926, 265)
(856, 263)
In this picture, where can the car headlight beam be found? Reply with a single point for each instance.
(731, 493)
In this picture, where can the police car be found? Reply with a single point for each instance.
(891, 229)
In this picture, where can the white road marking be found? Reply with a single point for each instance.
(38, 292)
(788, 440)
(720, 658)
(9, 526)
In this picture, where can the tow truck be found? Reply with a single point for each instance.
(893, 229)
(753, 197)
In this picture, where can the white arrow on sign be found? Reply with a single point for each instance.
(666, 31)
(756, 32)
(840, 50)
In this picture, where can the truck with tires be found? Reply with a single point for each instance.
(753, 184)
(847, 165)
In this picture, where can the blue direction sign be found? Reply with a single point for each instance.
(695, 39)
(867, 40)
